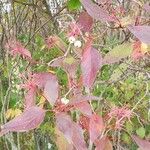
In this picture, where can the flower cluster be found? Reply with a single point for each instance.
(16, 48)
(120, 115)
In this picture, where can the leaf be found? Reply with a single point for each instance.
(81, 102)
(17, 112)
(9, 113)
(147, 7)
(74, 4)
(49, 83)
(61, 141)
(90, 64)
(85, 21)
(30, 119)
(108, 145)
(103, 144)
(143, 144)
(118, 53)
(57, 62)
(126, 138)
(84, 107)
(69, 60)
(69, 64)
(82, 98)
(51, 90)
(42, 102)
(95, 11)
(30, 97)
(141, 132)
(71, 131)
(141, 32)
(129, 127)
(96, 126)
(40, 79)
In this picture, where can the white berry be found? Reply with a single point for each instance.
(77, 44)
(65, 100)
(72, 39)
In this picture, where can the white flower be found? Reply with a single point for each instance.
(64, 100)
(72, 39)
(77, 44)
(49, 145)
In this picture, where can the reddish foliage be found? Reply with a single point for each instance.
(85, 21)
(28, 120)
(84, 107)
(147, 7)
(30, 95)
(16, 48)
(141, 32)
(137, 53)
(84, 122)
(90, 64)
(71, 130)
(96, 12)
(103, 144)
(120, 114)
(90, 61)
(96, 126)
(51, 90)
(143, 144)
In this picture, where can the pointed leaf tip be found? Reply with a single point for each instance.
(30, 119)
(90, 64)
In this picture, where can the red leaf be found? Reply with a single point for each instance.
(49, 83)
(57, 62)
(137, 50)
(82, 98)
(30, 98)
(40, 79)
(103, 144)
(100, 143)
(143, 144)
(71, 131)
(141, 32)
(96, 127)
(30, 119)
(30, 95)
(85, 21)
(95, 11)
(147, 7)
(51, 90)
(84, 107)
(90, 64)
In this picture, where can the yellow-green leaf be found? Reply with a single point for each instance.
(118, 53)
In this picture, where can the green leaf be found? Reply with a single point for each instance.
(69, 60)
(140, 132)
(118, 53)
(129, 127)
(126, 138)
(74, 4)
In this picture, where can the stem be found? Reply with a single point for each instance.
(90, 145)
